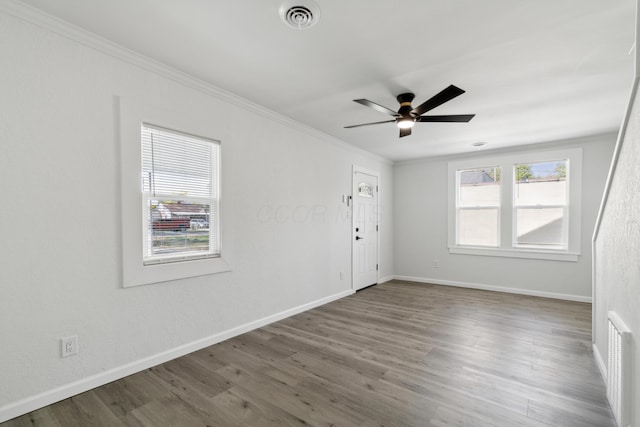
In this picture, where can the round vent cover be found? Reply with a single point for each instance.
(300, 14)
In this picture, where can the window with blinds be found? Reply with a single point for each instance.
(180, 181)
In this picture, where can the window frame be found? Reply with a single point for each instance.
(507, 247)
(565, 207)
(213, 199)
(458, 208)
(131, 114)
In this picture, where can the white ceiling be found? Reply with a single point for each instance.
(534, 70)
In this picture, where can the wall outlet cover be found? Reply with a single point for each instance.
(69, 345)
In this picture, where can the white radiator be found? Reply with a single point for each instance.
(619, 369)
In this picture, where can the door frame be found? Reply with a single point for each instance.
(355, 169)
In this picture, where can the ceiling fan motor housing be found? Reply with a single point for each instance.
(404, 99)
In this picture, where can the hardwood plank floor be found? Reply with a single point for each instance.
(396, 354)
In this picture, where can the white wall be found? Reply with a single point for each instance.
(285, 230)
(617, 253)
(420, 206)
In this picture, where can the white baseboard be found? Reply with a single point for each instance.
(601, 366)
(385, 279)
(496, 288)
(32, 403)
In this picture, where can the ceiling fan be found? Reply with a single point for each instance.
(407, 116)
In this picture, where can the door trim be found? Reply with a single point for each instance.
(356, 168)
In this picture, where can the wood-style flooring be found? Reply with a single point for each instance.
(396, 354)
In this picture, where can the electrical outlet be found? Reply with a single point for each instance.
(436, 263)
(69, 345)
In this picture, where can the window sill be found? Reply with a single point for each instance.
(518, 253)
(137, 274)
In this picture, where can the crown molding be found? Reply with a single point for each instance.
(79, 35)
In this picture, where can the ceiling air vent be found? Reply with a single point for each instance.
(300, 14)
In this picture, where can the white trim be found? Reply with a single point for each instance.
(517, 253)
(371, 172)
(77, 34)
(616, 155)
(32, 403)
(493, 288)
(385, 279)
(593, 292)
(600, 362)
(133, 113)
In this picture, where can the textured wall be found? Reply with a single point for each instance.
(617, 251)
(60, 222)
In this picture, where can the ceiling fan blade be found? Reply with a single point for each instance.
(458, 118)
(368, 124)
(376, 107)
(405, 132)
(446, 95)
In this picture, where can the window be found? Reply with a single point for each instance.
(180, 196)
(540, 205)
(170, 192)
(478, 207)
(524, 205)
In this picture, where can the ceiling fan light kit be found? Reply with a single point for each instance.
(405, 123)
(407, 116)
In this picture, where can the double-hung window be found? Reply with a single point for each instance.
(540, 205)
(170, 193)
(524, 205)
(179, 196)
(478, 207)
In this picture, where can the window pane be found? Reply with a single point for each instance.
(177, 164)
(540, 227)
(479, 187)
(478, 227)
(540, 183)
(180, 186)
(176, 227)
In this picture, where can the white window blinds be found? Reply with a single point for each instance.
(180, 181)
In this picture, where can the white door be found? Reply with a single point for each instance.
(365, 229)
